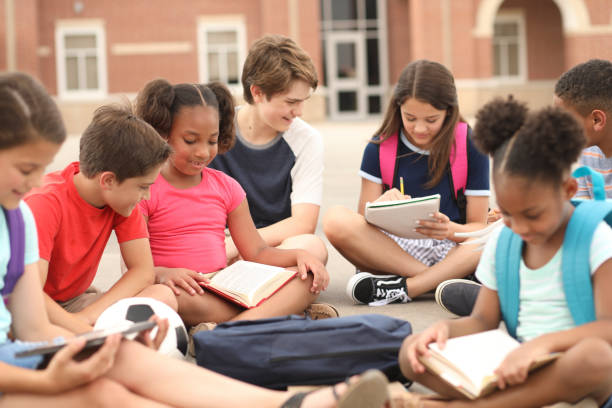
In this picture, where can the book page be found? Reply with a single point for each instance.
(245, 277)
(477, 355)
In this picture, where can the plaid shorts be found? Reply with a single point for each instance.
(428, 251)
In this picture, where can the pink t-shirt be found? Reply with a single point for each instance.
(187, 227)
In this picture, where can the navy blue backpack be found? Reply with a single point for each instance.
(294, 350)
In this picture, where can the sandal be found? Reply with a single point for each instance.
(318, 311)
(368, 391)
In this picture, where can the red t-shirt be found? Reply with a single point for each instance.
(72, 234)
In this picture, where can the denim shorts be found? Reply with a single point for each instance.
(9, 348)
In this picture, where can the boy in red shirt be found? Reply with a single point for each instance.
(77, 208)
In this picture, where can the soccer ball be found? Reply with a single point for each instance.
(137, 309)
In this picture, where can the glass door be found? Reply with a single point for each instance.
(346, 74)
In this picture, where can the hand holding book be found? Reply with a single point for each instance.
(477, 364)
(186, 279)
(392, 194)
(418, 345)
(309, 263)
(519, 362)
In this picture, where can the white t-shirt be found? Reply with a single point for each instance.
(542, 304)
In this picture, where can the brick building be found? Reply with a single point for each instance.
(88, 52)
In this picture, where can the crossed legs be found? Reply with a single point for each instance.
(371, 250)
(585, 370)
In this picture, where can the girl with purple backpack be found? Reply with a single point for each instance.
(422, 148)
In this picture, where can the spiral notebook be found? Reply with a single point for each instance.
(399, 217)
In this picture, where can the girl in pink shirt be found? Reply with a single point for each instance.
(190, 205)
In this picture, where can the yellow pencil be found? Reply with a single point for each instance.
(402, 185)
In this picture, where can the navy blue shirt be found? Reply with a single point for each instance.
(286, 171)
(413, 167)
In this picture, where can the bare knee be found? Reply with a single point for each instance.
(337, 224)
(597, 356)
(162, 293)
(589, 363)
(207, 307)
(105, 393)
(304, 286)
(308, 242)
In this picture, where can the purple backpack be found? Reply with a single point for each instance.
(14, 270)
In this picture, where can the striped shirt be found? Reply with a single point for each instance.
(595, 159)
(543, 307)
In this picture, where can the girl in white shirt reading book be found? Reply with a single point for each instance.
(532, 155)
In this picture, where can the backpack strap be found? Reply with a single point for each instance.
(458, 158)
(507, 263)
(599, 191)
(577, 283)
(14, 270)
(576, 274)
(387, 154)
(587, 215)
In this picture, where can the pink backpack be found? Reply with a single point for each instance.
(458, 163)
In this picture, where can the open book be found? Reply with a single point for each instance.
(399, 217)
(468, 362)
(248, 283)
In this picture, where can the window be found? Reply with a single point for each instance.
(509, 47)
(81, 61)
(221, 51)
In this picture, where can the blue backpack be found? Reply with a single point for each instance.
(14, 270)
(293, 350)
(574, 263)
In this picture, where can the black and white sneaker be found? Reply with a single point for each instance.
(377, 290)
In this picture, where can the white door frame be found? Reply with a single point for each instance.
(355, 84)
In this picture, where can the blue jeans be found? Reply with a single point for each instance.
(608, 403)
(10, 348)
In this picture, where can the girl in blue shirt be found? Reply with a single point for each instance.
(424, 111)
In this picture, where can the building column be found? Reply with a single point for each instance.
(447, 36)
(426, 30)
(11, 39)
(294, 20)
